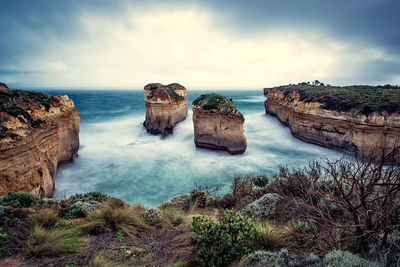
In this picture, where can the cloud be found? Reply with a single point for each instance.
(193, 45)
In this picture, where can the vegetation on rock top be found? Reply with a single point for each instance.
(16, 102)
(364, 98)
(216, 102)
(170, 88)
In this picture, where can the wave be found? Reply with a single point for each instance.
(120, 158)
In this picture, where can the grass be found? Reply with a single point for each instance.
(45, 218)
(53, 242)
(272, 235)
(366, 99)
(116, 216)
(101, 261)
(217, 102)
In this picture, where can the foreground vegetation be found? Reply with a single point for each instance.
(366, 99)
(344, 212)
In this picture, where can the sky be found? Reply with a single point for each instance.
(204, 44)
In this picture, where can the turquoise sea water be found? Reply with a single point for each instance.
(119, 158)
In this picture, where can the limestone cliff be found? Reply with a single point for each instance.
(165, 106)
(351, 130)
(218, 124)
(37, 133)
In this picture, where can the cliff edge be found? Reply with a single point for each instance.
(218, 124)
(357, 119)
(37, 133)
(165, 106)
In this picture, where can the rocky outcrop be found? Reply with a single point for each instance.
(37, 133)
(4, 86)
(218, 124)
(350, 131)
(165, 106)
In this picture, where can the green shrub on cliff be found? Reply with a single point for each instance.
(96, 196)
(217, 102)
(280, 258)
(366, 99)
(262, 207)
(170, 88)
(20, 199)
(223, 242)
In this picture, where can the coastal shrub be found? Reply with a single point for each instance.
(152, 216)
(53, 242)
(352, 202)
(3, 242)
(81, 208)
(219, 243)
(262, 207)
(304, 227)
(91, 196)
(198, 199)
(280, 258)
(49, 201)
(44, 218)
(366, 99)
(21, 199)
(339, 258)
(180, 202)
(4, 213)
(115, 215)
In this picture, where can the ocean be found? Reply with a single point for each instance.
(118, 157)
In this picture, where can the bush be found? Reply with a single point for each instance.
(338, 258)
(221, 243)
(81, 208)
(280, 258)
(304, 227)
(3, 242)
(4, 213)
(116, 216)
(262, 207)
(21, 199)
(96, 196)
(53, 242)
(44, 218)
(152, 217)
(180, 202)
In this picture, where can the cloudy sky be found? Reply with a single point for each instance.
(202, 44)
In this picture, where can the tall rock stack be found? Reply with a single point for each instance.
(218, 124)
(165, 107)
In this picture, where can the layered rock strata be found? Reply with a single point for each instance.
(37, 133)
(218, 124)
(350, 131)
(165, 107)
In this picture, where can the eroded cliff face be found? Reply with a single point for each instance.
(219, 127)
(165, 106)
(38, 132)
(348, 131)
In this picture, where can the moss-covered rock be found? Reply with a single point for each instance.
(217, 103)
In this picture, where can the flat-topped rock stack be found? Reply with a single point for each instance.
(165, 106)
(218, 124)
